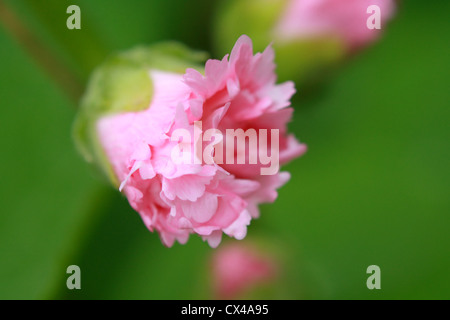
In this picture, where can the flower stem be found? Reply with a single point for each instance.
(49, 62)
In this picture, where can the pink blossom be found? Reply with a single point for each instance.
(345, 20)
(207, 199)
(237, 268)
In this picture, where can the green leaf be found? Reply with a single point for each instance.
(46, 189)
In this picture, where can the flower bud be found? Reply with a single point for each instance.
(309, 36)
(237, 269)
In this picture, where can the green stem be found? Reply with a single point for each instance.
(50, 63)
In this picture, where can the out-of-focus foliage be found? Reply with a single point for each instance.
(372, 189)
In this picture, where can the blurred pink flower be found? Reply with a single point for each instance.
(207, 199)
(345, 20)
(238, 268)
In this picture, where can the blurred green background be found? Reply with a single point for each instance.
(372, 189)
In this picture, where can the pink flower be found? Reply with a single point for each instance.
(345, 20)
(237, 268)
(177, 199)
